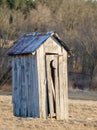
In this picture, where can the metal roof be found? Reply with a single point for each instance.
(28, 43)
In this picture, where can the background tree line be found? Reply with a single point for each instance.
(74, 20)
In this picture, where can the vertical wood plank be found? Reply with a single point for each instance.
(33, 101)
(65, 83)
(30, 81)
(41, 81)
(26, 77)
(18, 84)
(36, 93)
(62, 87)
(65, 74)
(32, 88)
(50, 86)
(16, 87)
(23, 91)
(13, 79)
(13, 84)
(57, 89)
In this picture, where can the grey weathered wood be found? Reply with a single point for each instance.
(13, 79)
(26, 70)
(61, 91)
(30, 82)
(13, 84)
(65, 83)
(23, 85)
(16, 98)
(33, 93)
(19, 85)
(57, 90)
(41, 81)
(62, 88)
(50, 86)
(16, 86)
(51, 45)
(36, 94)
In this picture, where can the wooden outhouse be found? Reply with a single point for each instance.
(39, 76)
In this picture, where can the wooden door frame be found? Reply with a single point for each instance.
(52, 92)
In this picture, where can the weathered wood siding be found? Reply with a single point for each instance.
(41, 82)
(52, 47)
(25, 86)
(65, 83)
(32, 91)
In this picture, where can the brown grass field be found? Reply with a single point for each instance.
(82, 114)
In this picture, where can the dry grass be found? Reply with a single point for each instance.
(82, 115)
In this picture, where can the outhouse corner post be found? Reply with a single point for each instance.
(65, 83)
(41, 81)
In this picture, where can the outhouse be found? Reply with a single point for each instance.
(39, 76)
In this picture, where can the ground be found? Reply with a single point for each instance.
(82, 114)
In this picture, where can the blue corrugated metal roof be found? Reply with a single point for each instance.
(28, 43)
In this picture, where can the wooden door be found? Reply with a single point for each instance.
(52, 74)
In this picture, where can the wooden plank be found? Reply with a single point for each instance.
(65, 84)
(26, 77)
(19, 88)
(62, 88)
(51, 45)
(13, 79)
(30, 81)
(32, 88)
(16, 89)
(30, 101)
(50, 86)
(13, 84)
(35, 85)
(57, 89)
(16, 86)
(41, 81)
(25, 87)
(23, 91)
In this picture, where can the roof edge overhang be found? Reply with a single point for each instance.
(23, 54)
(63, 44)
